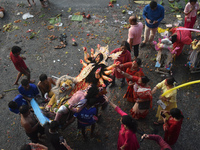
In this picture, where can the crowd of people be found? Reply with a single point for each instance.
(87, 92)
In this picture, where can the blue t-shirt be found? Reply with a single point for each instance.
(31, 92)
(153, 15)
(86, 115)
(20, 101)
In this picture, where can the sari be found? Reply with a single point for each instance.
(141, 109)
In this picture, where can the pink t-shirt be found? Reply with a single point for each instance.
(188, 7)
(135, 33)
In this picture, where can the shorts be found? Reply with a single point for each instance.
(27, 71)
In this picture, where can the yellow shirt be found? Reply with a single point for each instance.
(171, 94)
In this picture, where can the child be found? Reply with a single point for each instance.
(87, 117)
(45, 85)
(28, 90)
(190, 11)
(16, 103)
(123, 58)
(19, 64)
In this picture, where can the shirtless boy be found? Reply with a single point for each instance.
(30, 124)
(45, 85)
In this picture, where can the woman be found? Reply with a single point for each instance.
(169, 99)
(133, 68)
(190, 12)
(123, 58)
(142, 95)
(172, 126)
(127, 139)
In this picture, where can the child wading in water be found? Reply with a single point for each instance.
(190, 12)
(19, 64)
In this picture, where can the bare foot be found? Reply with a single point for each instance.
(32, 81)
(44, 6)
(15, 83)
(29, 5)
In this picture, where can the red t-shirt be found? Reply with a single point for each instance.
(18, 62)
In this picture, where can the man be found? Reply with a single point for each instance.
(2, 11)
(16, 103)
(134, 34)
(28, 90)
(30, 124)
(153, 14)
(51, 131)
(45, 85)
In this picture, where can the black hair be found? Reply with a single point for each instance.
(176, 113)
(153, 4)
(12, 105)
(166, 149)
(92, 60)
(193, 1)
(16, 49)
(101, 57)
(174, 38)
(24, 82)
(126, 44)
(170, 81)
(130, 122)
(145, 80)
(25, 147)
(92, 92)
(43, 77)
(24, 109)
(134, 19)
(92, 101)
(54, 125)
(138, 60)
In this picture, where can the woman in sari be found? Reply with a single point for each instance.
(169, 99)
(172, 125)
(132, 68)
(142, 95)
(127, 139)
(124, 57)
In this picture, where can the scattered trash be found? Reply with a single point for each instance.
(52, 37)
(77, 18)
(123, 11)
(50, 27)
(74, 42)
(19, 13)
(33, 34)
(130, 12)
(55, 20)
(10, 90)
(69, 10)
(27, 15)
(58, 24)
(17, 21)
(142, 2)
(29, 30)
(10, 27)
(123, 22)
(88, 16)
(2, 95)
(41, 15)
